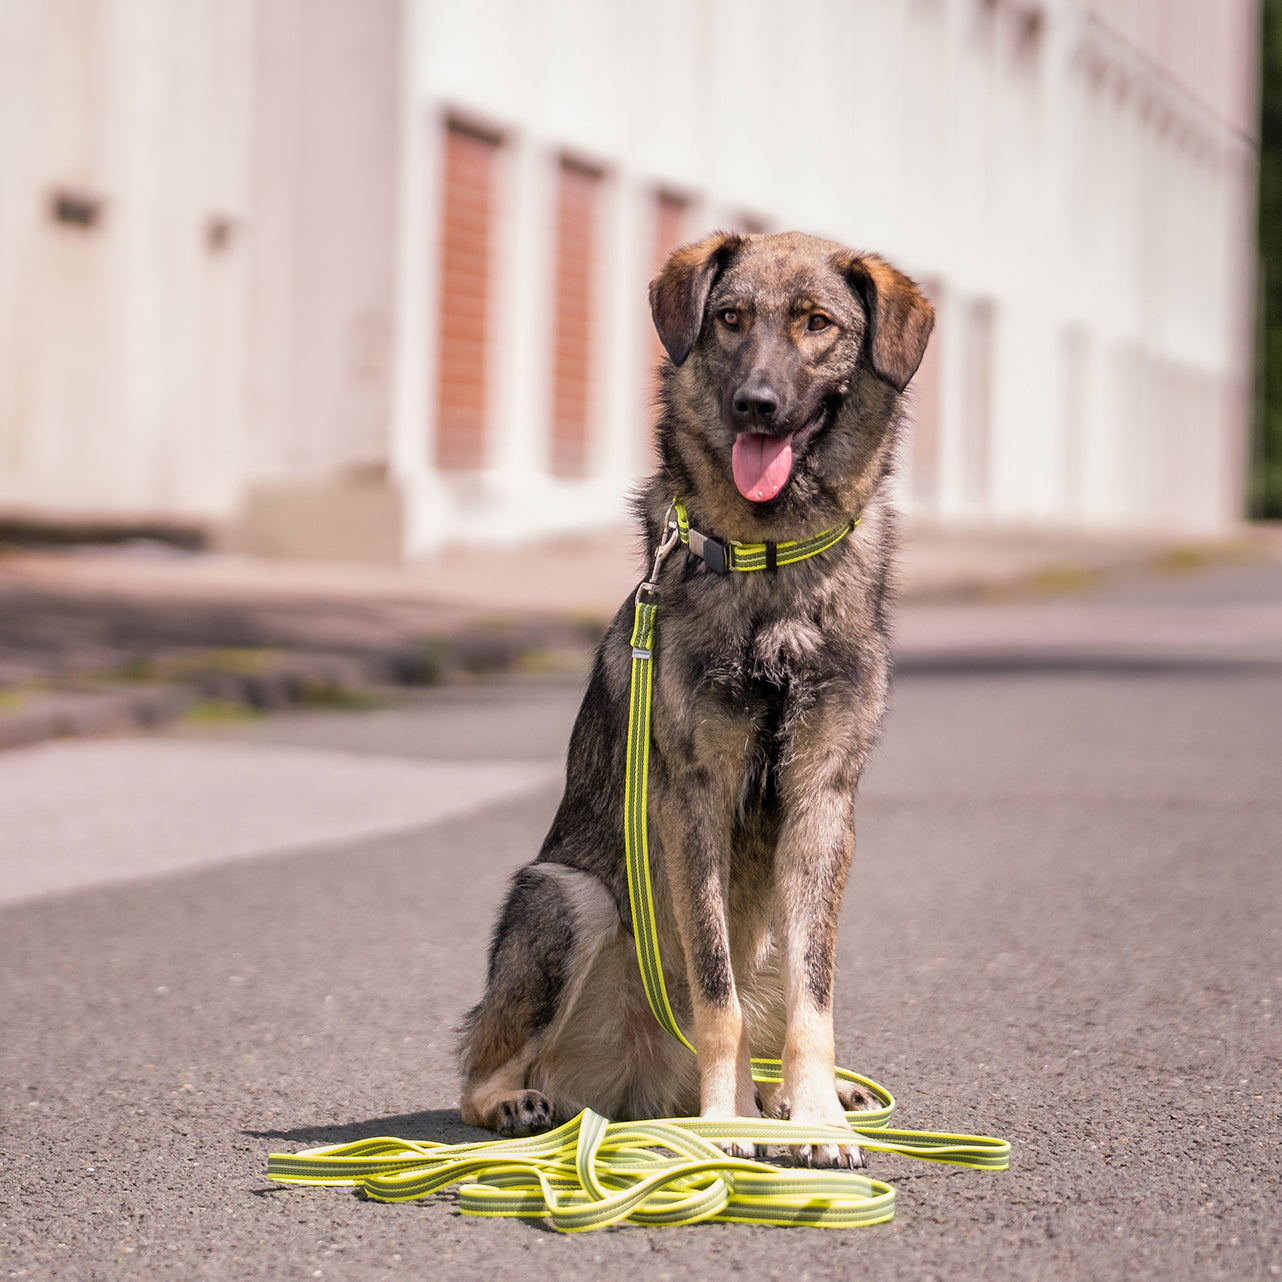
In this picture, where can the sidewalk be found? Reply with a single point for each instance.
(102, 640)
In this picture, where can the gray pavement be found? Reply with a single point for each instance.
(1063, 928)
(146, 807)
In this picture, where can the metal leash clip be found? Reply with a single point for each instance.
(651, 585)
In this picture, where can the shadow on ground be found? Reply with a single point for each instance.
(433, 1125)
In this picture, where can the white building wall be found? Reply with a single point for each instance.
(1073, 179)
(121, 337)
(1043, 169)
(320, 333)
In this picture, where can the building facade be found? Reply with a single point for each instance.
(368, 277)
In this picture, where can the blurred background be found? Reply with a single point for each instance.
(326, 371)
(365, 279)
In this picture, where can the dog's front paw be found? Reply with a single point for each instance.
(525, 1113)
(734, 1147)
(845, 1156)
(849, 1156)
(827, 1113)
(854, 1099)
(779, 1107)
(740, 1148)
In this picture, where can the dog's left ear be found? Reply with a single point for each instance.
(679, 293)
(899, 317)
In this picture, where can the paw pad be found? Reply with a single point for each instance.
(527, 1113)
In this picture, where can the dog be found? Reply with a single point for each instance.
(780, 402)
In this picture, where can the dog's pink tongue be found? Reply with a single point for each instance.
(761, 464)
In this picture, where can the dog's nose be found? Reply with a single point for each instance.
(756, 403)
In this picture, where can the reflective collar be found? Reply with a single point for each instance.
(723, 556)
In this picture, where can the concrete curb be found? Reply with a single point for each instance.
(32, 716)
(139, 679)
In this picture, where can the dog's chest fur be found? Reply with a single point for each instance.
(753, 673)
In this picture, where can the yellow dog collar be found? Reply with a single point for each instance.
(723, 556)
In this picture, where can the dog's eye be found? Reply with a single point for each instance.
(730, 318)
(818, 321)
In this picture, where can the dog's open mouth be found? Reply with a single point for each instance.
(762, 463)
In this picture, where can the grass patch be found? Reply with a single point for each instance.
(1063, 578)
(138, 668)
(1183, 559)
(317, 692)
(221, 712)
(143, 668)
(433, 662)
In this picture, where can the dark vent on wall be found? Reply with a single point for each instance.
(76, 209)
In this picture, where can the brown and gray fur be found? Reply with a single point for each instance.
(769, 688)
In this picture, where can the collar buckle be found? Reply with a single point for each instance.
(712, 552)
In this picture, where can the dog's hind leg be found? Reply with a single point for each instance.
(530, 960)
(549, 937)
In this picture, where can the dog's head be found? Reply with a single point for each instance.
(789, 355)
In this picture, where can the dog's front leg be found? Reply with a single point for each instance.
(815, 849)
(696, 853)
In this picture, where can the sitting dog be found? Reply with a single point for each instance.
(781, 410)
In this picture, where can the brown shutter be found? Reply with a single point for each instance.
(467, 201)
(576, 232)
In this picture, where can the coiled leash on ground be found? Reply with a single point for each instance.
(590, 1172)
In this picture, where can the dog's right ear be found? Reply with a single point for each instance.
(679, 293)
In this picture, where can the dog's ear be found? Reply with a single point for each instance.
(899, 317)
(679, 293)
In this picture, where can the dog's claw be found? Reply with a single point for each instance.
(739, 1148)
(845, 1157)
(526, 1113)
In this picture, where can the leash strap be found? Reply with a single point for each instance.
(636, 832)
(591, 1173)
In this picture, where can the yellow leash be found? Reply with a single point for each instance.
(590, 1172)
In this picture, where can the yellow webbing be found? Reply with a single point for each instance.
(636, 835)
(590, 1172)
(753, 556)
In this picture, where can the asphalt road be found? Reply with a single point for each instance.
(1064, 928)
